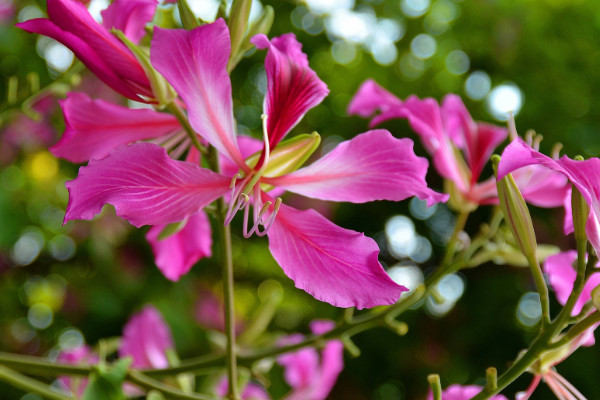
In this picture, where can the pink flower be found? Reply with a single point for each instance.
(584, 175)
(146, 338)
(562, 274)
(458, 392)
(333, 264)
(448, 128)
(80, 355)
(312, 374)
(70, 23)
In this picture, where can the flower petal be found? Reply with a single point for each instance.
(371, 98)
(561, 275)
(371, 166)
(176, 254)
(335, 265)
(146, 338)
(458, 392)
(73, 17)
(95, 127)
(130, 17)
(293, 87)
(195, 62)
(145, 186)
(83, 51)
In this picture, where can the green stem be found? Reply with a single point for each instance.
(42, 366)
(542, 289)
(452, 243)
(169, 392)
(577, 330)
(30, 385)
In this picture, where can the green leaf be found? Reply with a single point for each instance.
(107, 382)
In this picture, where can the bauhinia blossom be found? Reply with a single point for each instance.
(459, 392)
(70, 23)
(584, 175)
(312, 374)
(147, 338)
(145, 186)
(447, 128)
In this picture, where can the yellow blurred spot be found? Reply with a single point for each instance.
(42, 166)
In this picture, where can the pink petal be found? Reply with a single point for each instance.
(252, 391)
(95, 127)
(73, 17)
(542, 187)
(371, 98)
(425, 118)
(195, 62)
(145, 186)
(146, 338)
(130, 17)
(97, 64)
(300, 368)
(80, 355)
(372, 166)
(332, 361)
(293, 87)
(248, 146)
(458, 392)
(585, 175)
(176, 254)
(561, 275)
(333, 264)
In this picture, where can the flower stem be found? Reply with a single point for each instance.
(29, 384)
(170, 393)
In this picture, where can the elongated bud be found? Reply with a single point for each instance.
(596, 297)
(163, 92)
(261, 25)
(238, 24)
(188, 19)
(516, 212)
(580, 210)
(435, 385)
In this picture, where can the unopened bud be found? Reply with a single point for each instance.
(238, 24)
(596, 297)
(580, 210)
(516, 212)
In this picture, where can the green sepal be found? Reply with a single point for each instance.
(164, 18)
(161, 89)
(238, 24)
(261, 25)
(107, 382)
(171, 229)
(188, 19)
(289, 155)
(581, 211)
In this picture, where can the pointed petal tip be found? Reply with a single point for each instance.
(261, 41)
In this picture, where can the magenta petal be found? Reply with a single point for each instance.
(371, 98)
(248, 146)
(83, 51)
(561, 274)
(145, 186)
(95, 127)
(73, 17)
(195, 62)
(542, 187)
(176, 254)
(130, 17)
(458, 392)
(371, 166)
(293, 87)
(335, 265)
(146, 338)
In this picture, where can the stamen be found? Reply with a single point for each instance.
(568, 386)
(237, 198)
(529, 135)
(269, 222)
(556, 150)
(527, 394)
(536, 142)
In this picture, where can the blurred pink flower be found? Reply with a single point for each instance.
(147, 338)
(459, 392)
(80, 355)
(312, 374)
(446, 129)
(251, 391)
